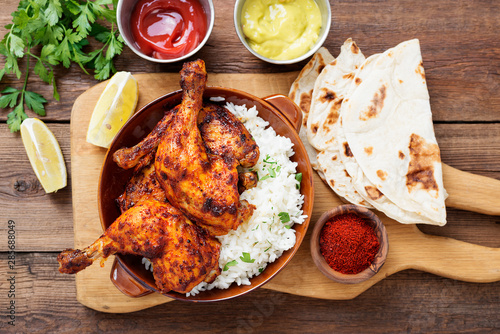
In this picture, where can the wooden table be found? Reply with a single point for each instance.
(461, 52)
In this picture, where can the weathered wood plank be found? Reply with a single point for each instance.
(410, 301)
(40, 218)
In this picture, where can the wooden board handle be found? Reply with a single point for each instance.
(455, 259)
(471, 192)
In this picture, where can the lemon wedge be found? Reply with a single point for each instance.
(44, 154)
(115, 106)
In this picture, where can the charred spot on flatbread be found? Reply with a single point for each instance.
(321, 62)
(348, 76)
(420, 70)
(315, 128)
(354, 48)
(357, 81)
(373, 192)
(369, 150)
(347, 173)
(305, 101)
(327, 95)
(382, 175)
(332, 183)
(401, 155)
(334, 157)
(423, 156)
(376, 105)
(334, 62)
(347, 150)
(333, 115)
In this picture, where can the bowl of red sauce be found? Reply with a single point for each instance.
(165, 31)
(349, 244)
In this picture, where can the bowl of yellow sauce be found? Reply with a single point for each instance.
(282, 31)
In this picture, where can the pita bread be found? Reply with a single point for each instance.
(329, 90)
(390, 149)
(301, 93)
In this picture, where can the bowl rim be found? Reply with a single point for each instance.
(319, 42)
(132, 47)
(377, 263)
(287, 255)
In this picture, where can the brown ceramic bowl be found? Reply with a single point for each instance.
(377, 263)
(128, 273)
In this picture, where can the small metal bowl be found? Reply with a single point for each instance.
(326, 17)
(377, 263)
(124, 11)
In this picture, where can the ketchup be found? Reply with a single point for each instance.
(167, 29)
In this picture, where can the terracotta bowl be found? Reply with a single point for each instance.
(128, 272)
(377, 263)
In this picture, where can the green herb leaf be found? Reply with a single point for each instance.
(298, 177)
(35, 102)
(47, 54)
(268, 160)
(9, 99)
(261, 270)
(246, 258)
(16, 46)
(272, 172)
(264, 178)
(16, 117)
(53, 12)
(230, 264)
(42, 71)
(284, 217)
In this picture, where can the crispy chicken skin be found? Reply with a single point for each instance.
(225, 135)
(222, 133)
(203, 186)
(129, 157)
(183, 255)
(143, 185)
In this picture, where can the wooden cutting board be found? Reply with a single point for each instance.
(408, 247)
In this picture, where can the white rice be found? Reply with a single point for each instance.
(265, 236)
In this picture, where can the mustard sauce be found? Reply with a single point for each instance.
(281, 29)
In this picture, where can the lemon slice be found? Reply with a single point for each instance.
(114, 107)
(44, 154)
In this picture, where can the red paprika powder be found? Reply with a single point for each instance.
(348, 243)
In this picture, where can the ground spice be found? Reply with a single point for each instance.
(348, 243)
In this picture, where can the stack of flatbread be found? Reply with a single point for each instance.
(368, 128)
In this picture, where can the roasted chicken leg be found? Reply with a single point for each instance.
(203, 186)
(183, 255)
(222, 133)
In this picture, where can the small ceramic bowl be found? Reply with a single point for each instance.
(128, 273)
(326, 18)
(124, 11)
(377, 263)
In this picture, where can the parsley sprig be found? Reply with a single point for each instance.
(53, 32)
